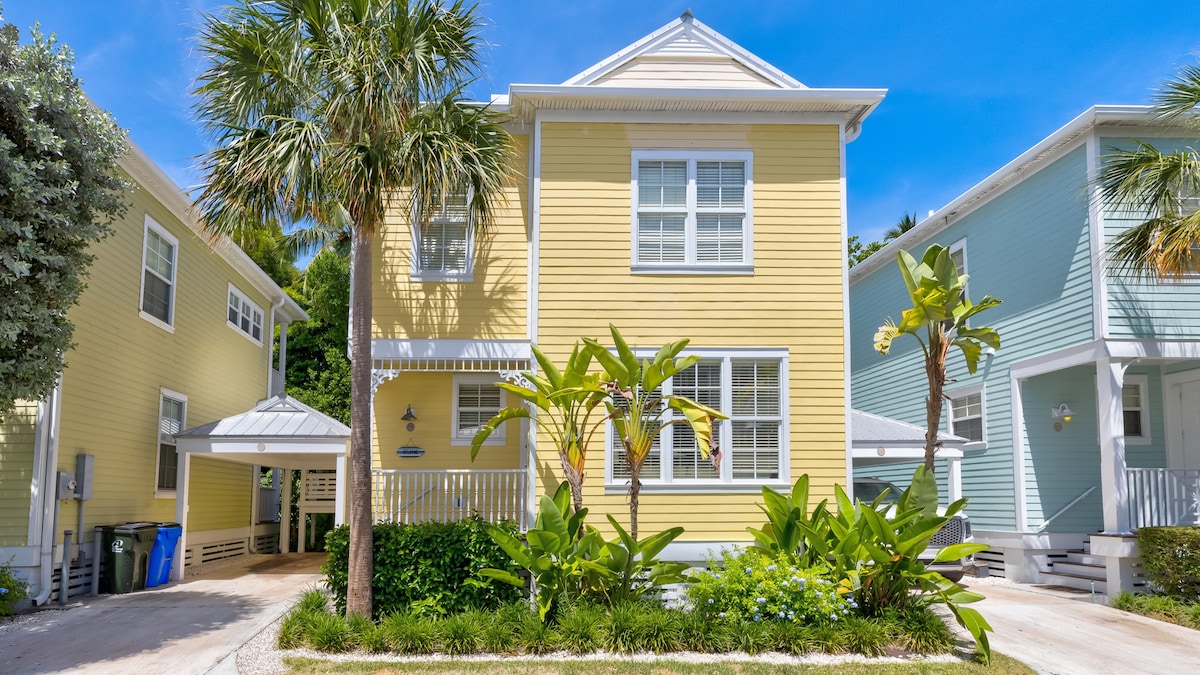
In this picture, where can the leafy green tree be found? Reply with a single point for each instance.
(859, 251)
(938, 319)
(268, 247)
(318, 371)
(60, 188)
(1163, 187)
(335, 113)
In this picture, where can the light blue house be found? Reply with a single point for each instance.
(1086, 424)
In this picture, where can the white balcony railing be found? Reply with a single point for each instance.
(1160, 497)
(449, 495)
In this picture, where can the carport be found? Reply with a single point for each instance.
(279, 432)
(877, 440)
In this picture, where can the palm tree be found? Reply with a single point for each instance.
(335, 113)
(1163, 186)
(907, 222)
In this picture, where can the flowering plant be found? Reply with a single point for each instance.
(753, 587)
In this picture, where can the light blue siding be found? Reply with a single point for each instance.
(1029, 247)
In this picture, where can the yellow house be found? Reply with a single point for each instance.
(681, 188)
(173, 331)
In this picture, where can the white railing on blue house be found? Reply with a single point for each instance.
(405, 496)
(1160, 497)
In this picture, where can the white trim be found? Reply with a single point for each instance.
(164, 393)
(535, 238)
(1172, 422)
(690, 117)
(1142, 382)
(690, 264)
(960, 246)
(235, 291)
(1020, 488)
(961, 392)
(498, 436)
(382, 348)
(415, 272)
(169, 324)
(847, 381)
(1096, 239)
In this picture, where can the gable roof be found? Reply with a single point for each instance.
(279, 417)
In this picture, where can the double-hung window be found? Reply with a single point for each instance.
(442, 247)
(966, 414)
(171, 419)
(477, 399)
(749, 448)
(692, 211)
(159, 253)
(1136, 409)
(958, 254)
(244, 315)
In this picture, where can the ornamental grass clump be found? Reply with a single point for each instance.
(751, 587)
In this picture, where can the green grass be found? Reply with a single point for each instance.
(1001, 665)
(1161, 607)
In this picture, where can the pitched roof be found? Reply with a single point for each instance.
(278, 417)
(876, 429)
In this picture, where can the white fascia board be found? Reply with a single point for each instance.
(848, 97)
(1090, 352)
(155, 181)
(263, 447)
(451, 349)
(1049, 149)
(901, 452)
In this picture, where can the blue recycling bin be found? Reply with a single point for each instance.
(163, 554)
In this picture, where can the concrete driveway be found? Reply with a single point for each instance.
(1054, 634)
(195, 626)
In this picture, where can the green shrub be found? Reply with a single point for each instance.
(409, 634)
(1171, 556)
(1161, 607)
(536, 637)
(919, 630)
(330, 633)
(752, 587)
(462, 633)
(862, 636)
(12, 590)
(315, 600)
(579, 629)
(751, 637)
(428, 563)
(656, 630)
(620, 627)
(292, 631)
(366, 634)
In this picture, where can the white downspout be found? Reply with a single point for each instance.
(51, 409)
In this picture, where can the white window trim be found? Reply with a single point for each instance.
(722, 431)
(417, 274)
(692, 156)
(983, 412)
(960, 246)
(1142, 382)
(168, 326)
(498, 437)
(160, 493)
(262, 328)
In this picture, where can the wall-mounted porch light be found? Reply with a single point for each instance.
(1062, 413)
(410, 416)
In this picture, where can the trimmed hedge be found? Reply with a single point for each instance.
(1171, 556)
(425, 567)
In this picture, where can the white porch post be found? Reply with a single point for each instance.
(183, 472)
(954, 478)
(1110, 378)
(285, 529)
(339, 492)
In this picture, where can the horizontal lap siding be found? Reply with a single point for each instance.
(793, 299)
(1029, 247)
(113, 377)
(16, 473)
(219, 496)
(491, 306)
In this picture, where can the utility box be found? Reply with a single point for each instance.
(126, 556)
(85, 468)
(66, 485)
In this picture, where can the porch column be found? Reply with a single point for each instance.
(285, 512)
(339, 492)
(1110, 378)
(183, 473)
(954, 478)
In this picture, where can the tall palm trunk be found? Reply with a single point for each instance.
(935, 372)
(361, 563)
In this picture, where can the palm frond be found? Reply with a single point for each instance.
(1180, 95)
(1159, 248)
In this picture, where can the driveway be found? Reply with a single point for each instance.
(195, 626)
(1053, 634)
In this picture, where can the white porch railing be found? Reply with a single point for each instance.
(449, 495)
(1163, 497)
(319, 486)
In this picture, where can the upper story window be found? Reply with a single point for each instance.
(1136, 409)
(159, 257)
(958, 253)
(442, 247)
(171, 419)
(967, 414)
(477, 399)
(692, 211)
(245, 315)
(750, 448)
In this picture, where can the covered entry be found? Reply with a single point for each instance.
(279, 432)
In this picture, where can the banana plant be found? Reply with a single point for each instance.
(626, 569)
(938, 319)
(638, 409)
(565, 401)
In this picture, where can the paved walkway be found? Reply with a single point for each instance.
(191, 627)
(1053, 634)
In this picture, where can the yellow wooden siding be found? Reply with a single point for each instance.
(219, 495)
(431, 395)
(793, 300)
(491, 306)
(111, 386)
(16, 473)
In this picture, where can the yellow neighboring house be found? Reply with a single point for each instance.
(681, 188)
(174, 330)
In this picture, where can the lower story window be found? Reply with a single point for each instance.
(477, 399)
(171, 418)
(748, 447)
(966, 415)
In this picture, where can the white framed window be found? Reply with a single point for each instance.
(1136, 409)
(692, 211)
(966, 411)
(958, 253)
(159, 270)
(443, 247)
(244, 316)
(172, 418)
(477, 399)
(751, 447)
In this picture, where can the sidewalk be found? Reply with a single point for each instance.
(195, 626)
(1054, 634)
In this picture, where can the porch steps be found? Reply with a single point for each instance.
(1077, 569)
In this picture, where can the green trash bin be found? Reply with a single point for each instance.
(126, 556)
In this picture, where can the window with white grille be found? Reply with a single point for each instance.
(442, 246)
(750, 447)
(477, 399)
(159, 259)
(172, 416)
(244, 315)
(692, 210)
(1136, 409)
(966, 414)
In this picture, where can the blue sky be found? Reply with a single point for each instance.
(971, 84)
